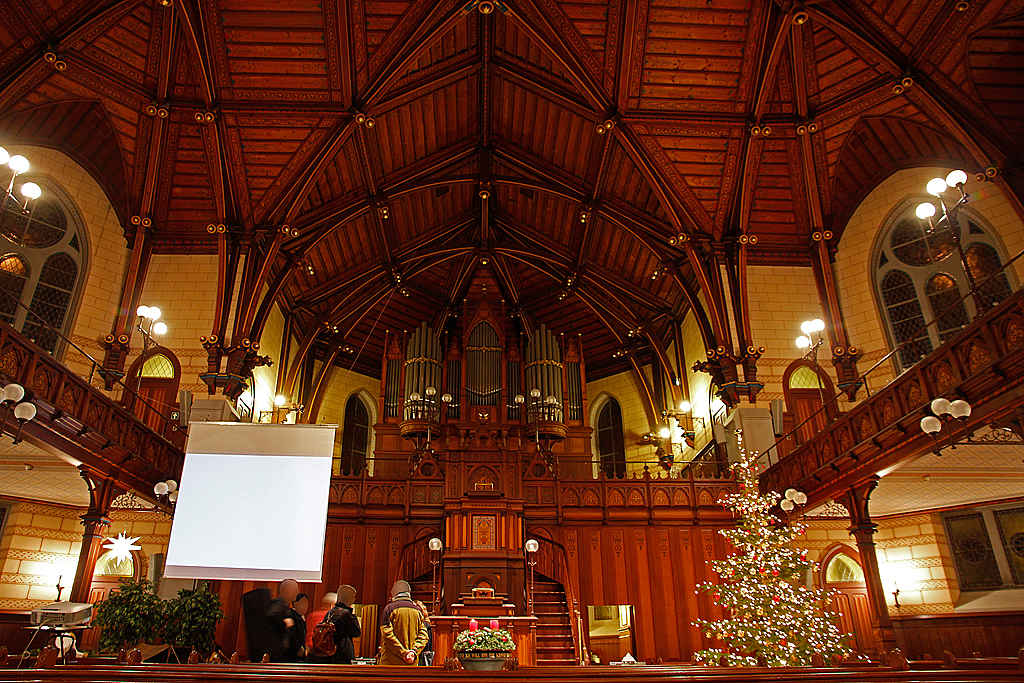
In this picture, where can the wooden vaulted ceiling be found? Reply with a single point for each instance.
(764, 118)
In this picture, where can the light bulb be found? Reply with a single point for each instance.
(930, 424)
(790, 493)
(532, 546)
(154, 313)
(807, 326)
(4, 156)
(431, 391)
(960, 409)
(800, 498)
(955, 178)
(172, 496)
(925, 210)
(435, 544)
(14, 392)
(685, 406)
(171, 485)
(160, 488)
(279, 400)
(552, 400)
(534, 393)
(936, 186)
(160, 328)
(818, 325)
(31, 191)
(519, 398)
(18, 164)
(803, 342)
(414, 396)
(142, 311)
(447, 398)
(665, 432)
(787, 505)
(940, 407)
(25, 411)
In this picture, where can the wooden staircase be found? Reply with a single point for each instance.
(554, 630)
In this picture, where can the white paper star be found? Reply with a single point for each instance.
(122, 546)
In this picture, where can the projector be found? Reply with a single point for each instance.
(61, 614)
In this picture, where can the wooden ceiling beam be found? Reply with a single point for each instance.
(427, 84)
(191, 14)
(454, 285)
(427, 33)
(538, 86)
(285, 210)
(27, 68)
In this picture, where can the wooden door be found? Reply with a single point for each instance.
(842, 572)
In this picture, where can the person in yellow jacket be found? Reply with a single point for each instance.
(403, 629)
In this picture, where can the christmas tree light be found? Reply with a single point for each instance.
(772, 618)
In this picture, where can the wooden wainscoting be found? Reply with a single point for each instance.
(991, 635)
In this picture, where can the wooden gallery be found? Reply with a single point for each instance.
(593, 339)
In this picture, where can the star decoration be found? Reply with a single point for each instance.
(122, 546)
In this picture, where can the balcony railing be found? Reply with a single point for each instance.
(983, 364)
(83, 422)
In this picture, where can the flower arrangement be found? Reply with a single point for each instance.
(485, 639)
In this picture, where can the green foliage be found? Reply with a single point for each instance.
(484, 640)
(130, 615)
(771, 615)
(191, 619)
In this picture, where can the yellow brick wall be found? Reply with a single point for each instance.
(341, 384)
(42, 542)
(912, 555)
(623, 388)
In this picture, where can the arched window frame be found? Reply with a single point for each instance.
(35, 258)
(371, 411)
(829, 556)
(596, 409)
(921, 275)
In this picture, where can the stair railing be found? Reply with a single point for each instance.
(553, 561)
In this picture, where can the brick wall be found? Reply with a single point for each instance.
(912, 554)
(42, 542)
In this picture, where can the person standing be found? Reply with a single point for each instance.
(317, 616)
(281, 621)
(346, 626)
(427, 656)
(297, 640)
(403, 629)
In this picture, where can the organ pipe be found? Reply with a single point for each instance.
(544, 372)
(422, 371)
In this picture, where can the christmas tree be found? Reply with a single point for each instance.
(772, 617)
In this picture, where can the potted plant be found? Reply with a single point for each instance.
(191, 620)
(483, 649)
(130, 615)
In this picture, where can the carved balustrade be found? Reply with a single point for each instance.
(984, 365)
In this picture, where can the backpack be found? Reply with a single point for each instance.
(323, 637)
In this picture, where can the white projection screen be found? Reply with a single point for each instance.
(252, 502)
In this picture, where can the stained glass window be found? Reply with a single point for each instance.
(355, 436)
(921, 278)
(843, 569)
(610, 444)
(40, 273)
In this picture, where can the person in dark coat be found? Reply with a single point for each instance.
(282, 622)
(297, 639)
(346, 626)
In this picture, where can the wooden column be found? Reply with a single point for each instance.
(844, 354)
(117, 342)
(102, 491)
(863, 530)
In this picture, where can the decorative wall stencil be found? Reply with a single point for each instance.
(396, 542)
(708, 538)
(641, 538)
(663, 541)
(590, 498)
(636, 498)
(684, 539)
(1011, 531)
(679, 497)
(371, 538)
(660, 497)
(972, 551)
(570, 543)
(570, 498)
(617, 542)
(615, 498)
(350, 495)
(484, 532)
(595, 539)
(978, 356)
(346, 543)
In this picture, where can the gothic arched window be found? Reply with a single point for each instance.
(355, 436)
(920, 277)
(611, 449)
(41, 266)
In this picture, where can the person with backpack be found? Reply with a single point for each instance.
(332, 636)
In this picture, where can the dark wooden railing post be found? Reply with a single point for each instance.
(862, 528)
